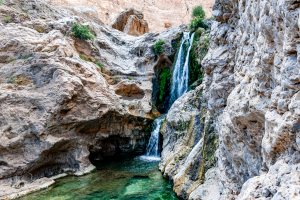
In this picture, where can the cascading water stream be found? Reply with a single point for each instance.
(153, 145)
(180, 77)
(180, 81)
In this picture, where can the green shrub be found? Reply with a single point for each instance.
(158, 49)
(82, 57)
(7, 19)
(195, 72)
(82, 32)
(1, 2)
(196, 23)
(129, 78)
(164, 79)
(85, 59)
(148, 129)
(116, 80)
(198, 12)
(101, 66)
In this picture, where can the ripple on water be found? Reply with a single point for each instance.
(130, 178)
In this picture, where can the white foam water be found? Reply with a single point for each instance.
(180, 78)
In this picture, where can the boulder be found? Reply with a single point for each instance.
(131, 22)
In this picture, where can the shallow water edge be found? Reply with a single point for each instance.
(127, 178)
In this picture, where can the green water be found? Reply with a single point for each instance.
(130, 178)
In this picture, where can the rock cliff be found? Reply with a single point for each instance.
(251, 89)
(252, 76)
(161, 15)
(65, 101)
(189, 145)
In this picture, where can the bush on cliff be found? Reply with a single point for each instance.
(158, 49)
(197, 23)
(198, 12)
(82, 32)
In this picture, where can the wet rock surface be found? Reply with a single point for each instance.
(189, 145)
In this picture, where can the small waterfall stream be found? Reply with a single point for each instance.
(180, 77)
(180, 81)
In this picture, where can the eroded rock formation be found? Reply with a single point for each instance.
(161, 15)
(66, 101)
(236, 136)
(251, 91)
(130, 21)
(189, 145)
(252, 77)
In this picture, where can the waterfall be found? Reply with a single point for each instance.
(152, 147)
(180, 77)
(180, 80)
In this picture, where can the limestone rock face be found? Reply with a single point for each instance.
(131, 22)
(252, 91)
(209, 190)
(161, 15)
(66, 101)
(189, 144)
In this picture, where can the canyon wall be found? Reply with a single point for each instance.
(161, 15)
(65, 101)
(251, 90)
(189, 145)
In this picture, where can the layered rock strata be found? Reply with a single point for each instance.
(66, 101)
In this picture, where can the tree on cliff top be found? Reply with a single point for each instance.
(198, 12)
